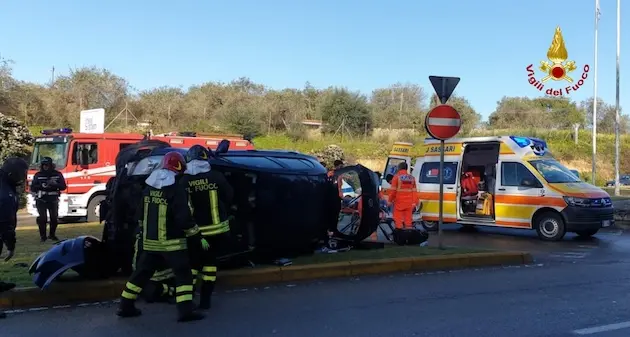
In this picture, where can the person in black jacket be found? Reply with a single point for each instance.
(47, 186)
(210, 197)
(12, 174)
(166, 225)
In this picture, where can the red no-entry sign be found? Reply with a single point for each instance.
(443, 122)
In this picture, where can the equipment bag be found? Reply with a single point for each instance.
(409, 236)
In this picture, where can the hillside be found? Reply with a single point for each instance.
(372, 151)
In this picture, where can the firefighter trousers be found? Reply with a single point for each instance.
(44, 207)
(148, 263)
(204, 265)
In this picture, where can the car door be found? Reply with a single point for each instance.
(518, 192)
(358, 195)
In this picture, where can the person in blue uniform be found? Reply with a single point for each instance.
(12, 175)
(46, 186)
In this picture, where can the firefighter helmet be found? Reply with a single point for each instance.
(174, 161)
(197, 152)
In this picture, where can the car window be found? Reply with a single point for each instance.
(429, 174)
(144, 166)
(513, 173)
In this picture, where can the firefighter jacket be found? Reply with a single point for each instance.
(48, 184)
(166, 220)
(210, 196)
(403, 193)
(8, 212)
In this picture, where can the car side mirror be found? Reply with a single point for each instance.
(223, 146)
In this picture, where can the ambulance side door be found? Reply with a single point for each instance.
(429, 187)
(517, 188)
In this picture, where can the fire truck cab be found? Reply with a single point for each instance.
(88, 160)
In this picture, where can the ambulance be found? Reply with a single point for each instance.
(504, 181)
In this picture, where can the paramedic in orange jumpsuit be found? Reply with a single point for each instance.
(404, 196)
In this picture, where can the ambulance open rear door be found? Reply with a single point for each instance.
(401, 152)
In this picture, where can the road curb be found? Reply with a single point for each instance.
(64, 293)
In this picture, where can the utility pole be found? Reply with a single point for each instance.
(617, 191)
(594, 159)
(52, 77)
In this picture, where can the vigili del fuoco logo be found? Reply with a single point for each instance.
(557, 69)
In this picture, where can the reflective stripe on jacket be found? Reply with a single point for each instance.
(403, 193)
(166, 221)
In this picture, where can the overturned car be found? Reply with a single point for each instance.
(284, 206)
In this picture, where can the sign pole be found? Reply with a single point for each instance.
(443, 99)
(441, 204)
(442, 122)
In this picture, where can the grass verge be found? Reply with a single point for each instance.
(28, 248)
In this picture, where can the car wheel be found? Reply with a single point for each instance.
(587, 233)
(430, 226)
(93, 209)
(550, 226)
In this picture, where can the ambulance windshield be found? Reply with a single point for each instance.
(554, 172)
(58, 151)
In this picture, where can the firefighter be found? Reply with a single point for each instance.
(210, 198)
(161, 286)
(47, 186)
(403, 196)
(166, 224)
(12, 175)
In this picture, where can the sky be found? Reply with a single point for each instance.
(358, 44)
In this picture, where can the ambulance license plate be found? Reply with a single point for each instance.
(606, 223)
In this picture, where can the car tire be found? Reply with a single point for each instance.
(93, 208)
(430, 226)
(587, 233)
(550, 226)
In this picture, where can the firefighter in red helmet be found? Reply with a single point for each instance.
(166, 225)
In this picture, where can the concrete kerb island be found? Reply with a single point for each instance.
(64, 293)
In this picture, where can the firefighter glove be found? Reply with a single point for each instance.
(204, 244)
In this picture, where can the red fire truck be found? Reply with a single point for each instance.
(88, 160)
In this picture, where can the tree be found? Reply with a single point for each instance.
(605, 116)
(343, 111)
(398, 106)
(15, 138)
(544, 112)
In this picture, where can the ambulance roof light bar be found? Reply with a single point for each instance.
(49, 132)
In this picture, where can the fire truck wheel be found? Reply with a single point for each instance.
(93, 208)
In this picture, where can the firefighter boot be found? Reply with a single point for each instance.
(128, 308)
(205, 295)
(186, 312)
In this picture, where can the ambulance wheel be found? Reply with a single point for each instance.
(430, 226)
(550, 226)
(93, 209)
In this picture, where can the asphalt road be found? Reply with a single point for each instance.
(576, 287)
(535, 301)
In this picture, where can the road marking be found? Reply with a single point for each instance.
(569, 255)
(602, 328)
